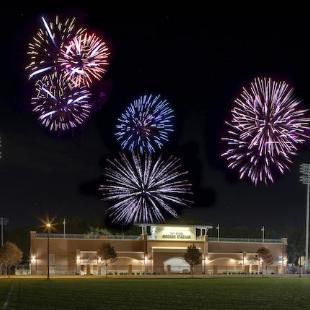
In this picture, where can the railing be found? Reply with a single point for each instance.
(197, 238)
(134, 237)
(87, 236)
(244, 240)
(141, 270)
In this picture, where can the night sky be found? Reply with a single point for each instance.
(199, 63)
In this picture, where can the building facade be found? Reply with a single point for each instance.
(158, 250)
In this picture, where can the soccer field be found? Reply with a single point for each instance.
(216, 293)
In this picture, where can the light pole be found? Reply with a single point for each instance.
(64, 223)
(305, 179)
(218, 232)
(263, 233)
(3, 221)
(48, 227)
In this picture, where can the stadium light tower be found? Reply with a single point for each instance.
(305, 179)
(3, 222)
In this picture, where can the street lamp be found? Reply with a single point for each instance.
(305, 179)
(48, 227)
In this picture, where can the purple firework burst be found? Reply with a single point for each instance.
(265, 130)
(61, 108)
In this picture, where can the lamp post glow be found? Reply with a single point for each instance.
(305, 179)
(48, 227)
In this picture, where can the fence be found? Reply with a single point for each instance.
(122, 270)
(87, 236)
(244, 240)
(21, 269)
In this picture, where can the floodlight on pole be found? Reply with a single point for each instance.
(305, 179)
(263, 233)
(218, 232)
(3, 222)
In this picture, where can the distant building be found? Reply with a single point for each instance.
(158, 250)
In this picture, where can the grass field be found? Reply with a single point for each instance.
(216, 293)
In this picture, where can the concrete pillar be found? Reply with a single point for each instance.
(145, 254)
(77, 262)
(130, 270)
(168, 269)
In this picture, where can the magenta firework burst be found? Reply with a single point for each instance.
(60, 107)
(84, 59)
(44, 49)
(145, 125)
(142, 189)
(265, 130)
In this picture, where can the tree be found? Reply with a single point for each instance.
(108, 254)
(193, 257)
(265, 255)
(10, 255)
(96, 231)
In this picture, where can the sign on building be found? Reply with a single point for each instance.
(173, 233)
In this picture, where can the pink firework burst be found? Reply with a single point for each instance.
(265, 130)
(84, 59)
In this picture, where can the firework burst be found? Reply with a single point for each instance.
(84, 59)
(145, 125)
(60, 108)
(44, 49)
(266, 128)
(142, 190)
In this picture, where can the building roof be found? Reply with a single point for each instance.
(176, 225)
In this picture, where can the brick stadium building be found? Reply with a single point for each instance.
(158, 250)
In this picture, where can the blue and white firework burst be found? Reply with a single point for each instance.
(142, 189)
(145, 125)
